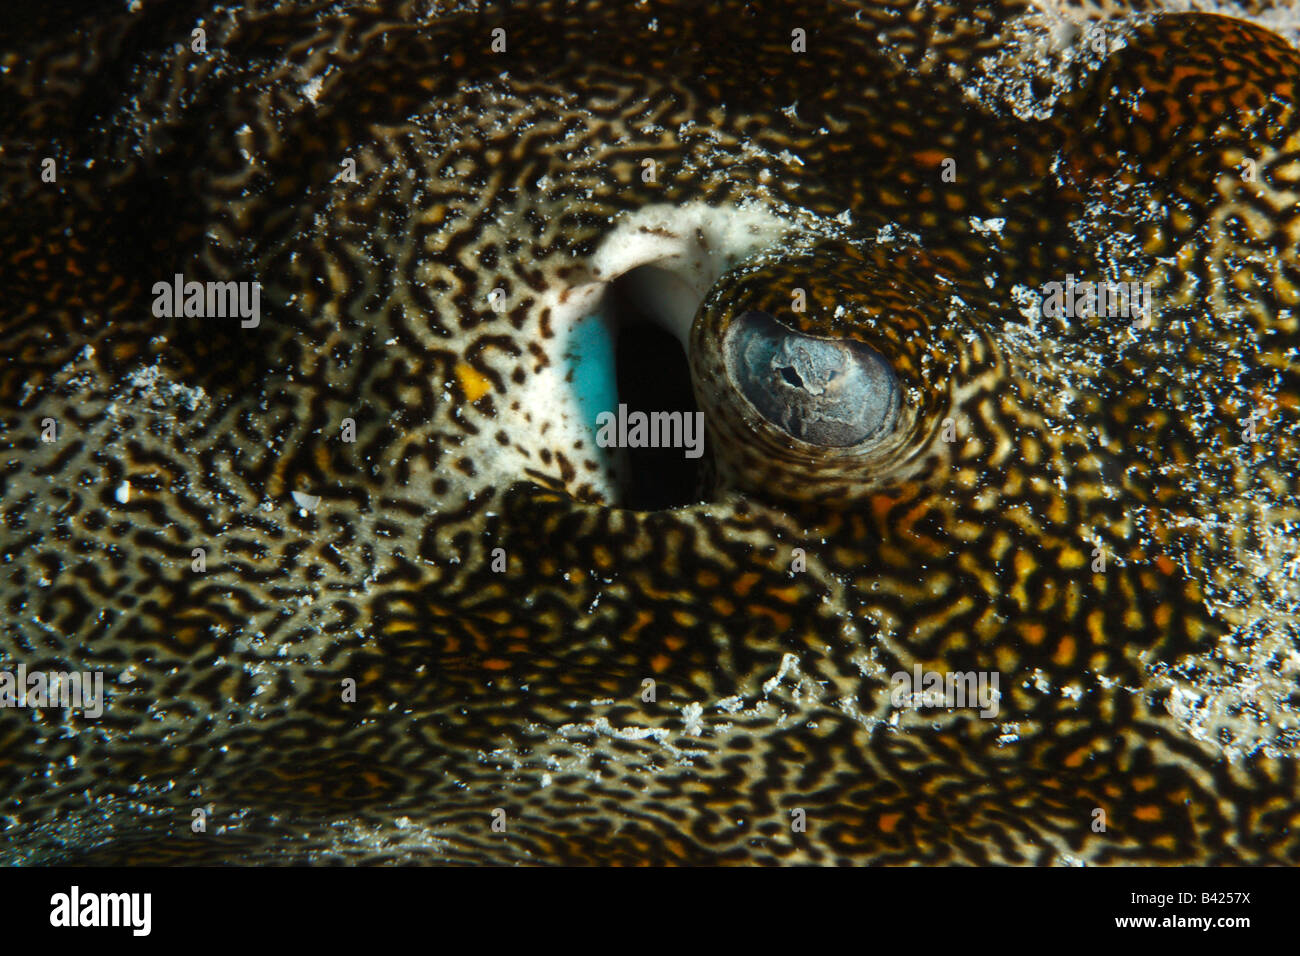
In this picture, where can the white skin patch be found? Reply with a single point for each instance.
(687, 249)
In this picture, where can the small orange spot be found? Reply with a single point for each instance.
(643, 617)
(1150, 813)
(496, 664)
(888, 821)
(683, 619)
(783, 622)
(881, 506)
(914, 514)
(472, 382)
(1165, 565)
(1064, 651)
(1163, 615)
(659, 663)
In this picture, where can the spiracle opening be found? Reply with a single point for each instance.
(652, 373)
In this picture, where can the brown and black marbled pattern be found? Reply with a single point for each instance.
(522, 690)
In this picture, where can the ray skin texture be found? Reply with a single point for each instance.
(358, 674)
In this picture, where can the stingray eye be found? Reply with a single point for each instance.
(829, 392)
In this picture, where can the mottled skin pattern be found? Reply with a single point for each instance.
(522, 689)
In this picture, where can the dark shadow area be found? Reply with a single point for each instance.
(653, 376)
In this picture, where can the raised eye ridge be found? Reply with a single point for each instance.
(836, 393)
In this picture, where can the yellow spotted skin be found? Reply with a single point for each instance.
(1072, 504)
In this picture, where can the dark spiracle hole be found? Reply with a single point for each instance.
(653, 376)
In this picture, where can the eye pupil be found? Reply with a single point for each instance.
(835, 393)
